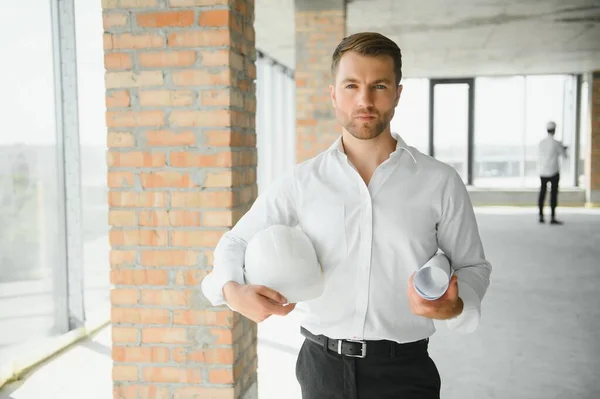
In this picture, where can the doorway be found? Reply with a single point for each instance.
(451, 124)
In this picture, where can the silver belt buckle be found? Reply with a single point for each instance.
(363, 349)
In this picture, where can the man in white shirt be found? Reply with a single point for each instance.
(376, 210)
(550, 150)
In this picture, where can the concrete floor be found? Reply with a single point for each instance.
(536, 339)
(540, 316)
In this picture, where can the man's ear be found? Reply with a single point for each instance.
(398, 94)
(332, 95)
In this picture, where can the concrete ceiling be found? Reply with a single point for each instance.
(441, 38)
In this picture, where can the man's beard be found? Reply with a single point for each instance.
(366, 130)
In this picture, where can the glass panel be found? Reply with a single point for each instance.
(279, 117)
(268, 123)
(92, 135)
(584, 131)
(451, 125)
(545, 102)
(411, 119)
(499, 122)
(569, 109)
(30, 228)
(510, 119)
(291, 122)
(275, 121)
(260, 124)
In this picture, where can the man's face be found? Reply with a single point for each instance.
(365, 94)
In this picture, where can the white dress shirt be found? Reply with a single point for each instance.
(369, 240)
(550, 150)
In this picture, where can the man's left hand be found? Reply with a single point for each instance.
(447, 306)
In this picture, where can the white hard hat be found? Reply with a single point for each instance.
(284, 259)
(550, 126)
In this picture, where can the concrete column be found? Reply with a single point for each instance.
(320, 26)
(180, 100)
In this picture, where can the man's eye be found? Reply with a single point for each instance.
(380, 87)
(351, 86)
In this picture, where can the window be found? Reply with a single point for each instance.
(92, 139)
(411, 119)
(451, 125)
(511, 114)
(31, 230)
(275, 120)
(584, 128)
(548, 98)
(499, 123)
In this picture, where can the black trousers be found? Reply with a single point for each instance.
(553, 180)
(403, 374)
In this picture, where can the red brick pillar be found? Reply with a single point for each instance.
(320, 26)
(180, 104)
(593, 150)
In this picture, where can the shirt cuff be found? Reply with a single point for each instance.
(212, 286)
(468, 321)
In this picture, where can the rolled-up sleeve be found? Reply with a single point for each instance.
(275, 207)
(458, 236)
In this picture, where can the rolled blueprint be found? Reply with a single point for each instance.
(432, 280)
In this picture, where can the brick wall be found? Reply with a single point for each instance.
(320, 26)
(180, 101)
(594, 148)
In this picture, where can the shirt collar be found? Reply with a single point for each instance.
(400, 145)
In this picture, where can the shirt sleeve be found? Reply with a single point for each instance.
(560, 149)
(458, 237)
(275, 207)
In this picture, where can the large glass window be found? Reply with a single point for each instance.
(511, 114)
(584, 128)
(275, 120)
(451, 125)
(264, 122)
(411, 119)
(549, 98)
(92, 138)
(31, 230)
(500, 110)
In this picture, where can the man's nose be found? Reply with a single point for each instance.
(365, 98)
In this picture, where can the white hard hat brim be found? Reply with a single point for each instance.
(295, 293)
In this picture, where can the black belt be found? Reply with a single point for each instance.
(362, 349)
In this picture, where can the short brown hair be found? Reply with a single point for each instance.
(369, 44)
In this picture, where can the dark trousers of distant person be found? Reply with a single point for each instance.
(553, 180)
(405, 371)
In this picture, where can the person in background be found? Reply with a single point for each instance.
(550, 150)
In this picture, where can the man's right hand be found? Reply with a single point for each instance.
(256, 302)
